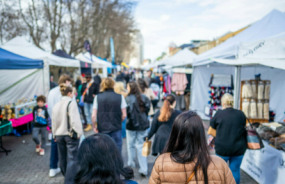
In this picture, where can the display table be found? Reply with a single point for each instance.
(22, 120)
(266, 165)
(5, 128)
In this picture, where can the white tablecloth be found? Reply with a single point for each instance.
(266, 166)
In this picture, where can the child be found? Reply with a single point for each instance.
(40, 114)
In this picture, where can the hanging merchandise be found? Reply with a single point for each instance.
(253, 111)
(245, 107)
(260, 90)
(259, 109)
(266, 109)
(253, 88)
(246, 90)
(267, 90)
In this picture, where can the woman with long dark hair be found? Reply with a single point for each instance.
(162, 124)
(137, 125)
(100, 162)
(187, 157)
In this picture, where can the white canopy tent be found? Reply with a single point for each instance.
(96, 63)
(181, 58)
(265, 56)
(271, 24)
(19, 45)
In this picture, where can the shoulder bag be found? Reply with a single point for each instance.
(72, 133)
(254, 141)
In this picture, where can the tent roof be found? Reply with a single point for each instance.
(271, 24)
(9, 60)
(96, 62)
(182, 57)
(20, 46)
(63, 54)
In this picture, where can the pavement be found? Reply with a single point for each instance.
(24, 166)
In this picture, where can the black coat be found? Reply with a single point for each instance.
(162, 131)
(93, 90)
(137, 120)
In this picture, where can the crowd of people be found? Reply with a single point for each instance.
(124, 107)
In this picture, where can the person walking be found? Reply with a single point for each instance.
(155, 88)
(54, 96)
(229, 124)
(109, 110)
(80, 105)
(41, 116)
(89, 90)
(119, 88)
(147, 78)
(162, 124)
(78, 82)
(65, 119)
(187, 158)
(100, 162)
(148, 92)
(137, 125)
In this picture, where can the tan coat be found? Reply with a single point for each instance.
(166, 171)
(151, 96)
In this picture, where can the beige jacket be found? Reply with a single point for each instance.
(166, 171)
(151, 96)
(59, 118)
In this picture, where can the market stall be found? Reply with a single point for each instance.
(99, 66)
(52, 64)
(210, 63)
(267, 165)
(22, 82)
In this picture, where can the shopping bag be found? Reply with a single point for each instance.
(254, 141)
(146, 148)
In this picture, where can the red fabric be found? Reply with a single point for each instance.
(22, 120)
(164, 88)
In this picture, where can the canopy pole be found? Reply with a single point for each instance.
(191, 88)
(237, 86)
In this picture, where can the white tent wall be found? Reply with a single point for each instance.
(29, 87)
(200, 81)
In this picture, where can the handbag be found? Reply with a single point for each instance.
(81, 103)
(72, 133)
(146, 148)
(254, 141)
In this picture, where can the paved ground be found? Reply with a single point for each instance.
(24, 166)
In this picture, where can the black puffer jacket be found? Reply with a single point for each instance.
(137, 120)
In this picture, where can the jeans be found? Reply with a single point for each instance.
(82, 112)
(36, 132)
(124, 128)
(135, 140)
(53, 155)
(88, 108)
(117, 137)
(235, 162)
(68, 149)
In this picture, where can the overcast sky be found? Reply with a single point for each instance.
(179, 21)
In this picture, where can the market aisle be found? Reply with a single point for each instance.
(24, 166)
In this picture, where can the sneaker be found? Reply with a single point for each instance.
(88, 128)
(42, 152)
(38, 148)
(54, 172)
(143, 175)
